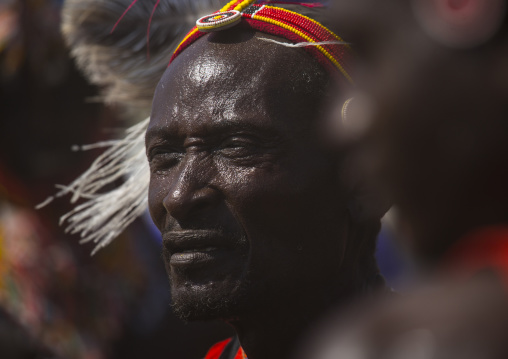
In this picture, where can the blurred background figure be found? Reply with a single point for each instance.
(429, 129)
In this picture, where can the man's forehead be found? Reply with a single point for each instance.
(232, 79)
(207, 95)
(213, 111)
(236, 57)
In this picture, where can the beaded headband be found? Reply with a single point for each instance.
(320, 41)
(105, 214)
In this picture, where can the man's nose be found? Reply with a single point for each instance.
(189, 191)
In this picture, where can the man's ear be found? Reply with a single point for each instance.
(367, 200)
(352, 120)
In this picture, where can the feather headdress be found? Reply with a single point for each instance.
(123, 46)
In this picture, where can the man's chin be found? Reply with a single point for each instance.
(206, 302)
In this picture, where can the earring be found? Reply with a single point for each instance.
(345, 109)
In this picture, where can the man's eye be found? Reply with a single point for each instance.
(236, 147)
(163, 158)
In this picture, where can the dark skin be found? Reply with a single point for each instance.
(255, 226)
(436, 142)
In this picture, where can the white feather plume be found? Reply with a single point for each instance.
(104, 215)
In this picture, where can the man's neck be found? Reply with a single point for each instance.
(270, 339)
(275, 332)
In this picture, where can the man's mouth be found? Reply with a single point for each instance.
(197, 247)
(195, 250)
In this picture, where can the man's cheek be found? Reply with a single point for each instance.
(156, 195)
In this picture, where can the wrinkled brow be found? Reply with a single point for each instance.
(221, 128)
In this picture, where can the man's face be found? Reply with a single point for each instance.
(245, 195)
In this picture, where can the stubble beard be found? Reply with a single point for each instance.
(212, 300)
(204, 303)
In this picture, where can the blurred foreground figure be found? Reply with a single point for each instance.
(433, 115)
(431, 128)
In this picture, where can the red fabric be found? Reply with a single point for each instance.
(217, 349)
(239, 354)
(481, 249)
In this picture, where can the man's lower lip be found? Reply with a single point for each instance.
(197, 257)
